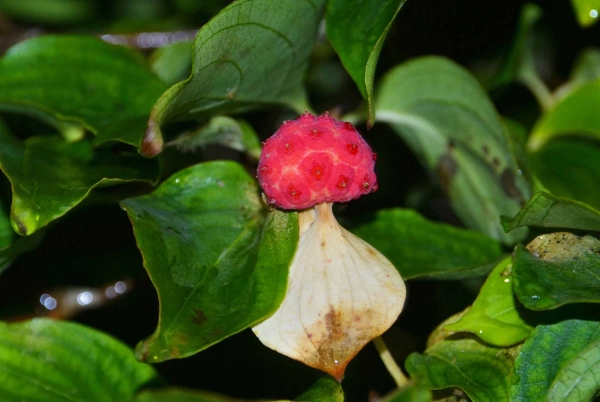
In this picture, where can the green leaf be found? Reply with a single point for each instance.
(49, 11)
(547, 211)
(45, 360)
(413, 392)
(419, 247)
(217, 264)
(569, 168)
(325, 389)
(50, 176)
(561, 268)
(494, 316)
(548, 355)
(74, 81)
(586, 68)
(577, 380)
(447, 119)
(482, 371)
(586, 11)
(181, 395)
(222, 130)
(357, 30)
(575, 114)
(172, 63)
(253, 53)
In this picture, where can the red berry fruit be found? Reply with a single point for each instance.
(312, 160)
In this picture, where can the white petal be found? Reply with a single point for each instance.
(341, 294)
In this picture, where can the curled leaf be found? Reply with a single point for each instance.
(341, 294)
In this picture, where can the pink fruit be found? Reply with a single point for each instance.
(312, 160)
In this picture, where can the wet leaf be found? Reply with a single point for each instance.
(357, 30)
(569, 168)
(50, 176)
(234, 53)
(222, 130)
(494, 316)
(172, 63)
(547, 211)
(574, 114)
(341, 294)
(218, 265)
(586, 11)
(556, 269)
(447, 119)
(481, 371)
(419, 247)
(80, 81)
(52, 361)
(326, 389)
(547, 358)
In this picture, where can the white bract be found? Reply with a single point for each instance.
(341, 294)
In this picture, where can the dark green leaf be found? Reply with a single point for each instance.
(419, 247)
(586, 68)
(547, 211)
(326, 389)
(74, 81)
(223, 130)
(7, 234)
(586, 11)
(494, 316)
(570, 169)
(357, 30)
(413, 392)
(217, 264)
(577, 380)
(49, 11)
(253, 53)
(575, 114)
(447, 119)
(172, 63)
(181, 395)
(50, 176)
(482, 371)
(561, 268)
(52, 361)
(546, 358)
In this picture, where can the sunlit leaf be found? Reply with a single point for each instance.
(251, 54)
(74, 81)
(357, 30)
(419, 247)
(52, 361)
(222, 130)
(548, 357)
(218, 265)
(586, 11)
(547, 211)
(494, 316)
(172, 63)
(447, 119)
(559, 268)
(569, 168)
(482, 371)
(50, 176)
(574, 114)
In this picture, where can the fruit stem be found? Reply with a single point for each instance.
(389, 362)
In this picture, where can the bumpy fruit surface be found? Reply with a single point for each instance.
(312, 160)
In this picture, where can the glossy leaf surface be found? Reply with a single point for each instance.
(74, 81)
(357, 30)
(50, 176)
(494, 316)
(482, 371)
(569, 168)
(559, 268)
(575, 114)
(547, 358)
(446, 118)
(217, 264)
(222, 130)
(253, 53)
(419, 247)
(547, 211)
(52, 361)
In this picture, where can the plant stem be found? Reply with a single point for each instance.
(539, 90)
(389, 362)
